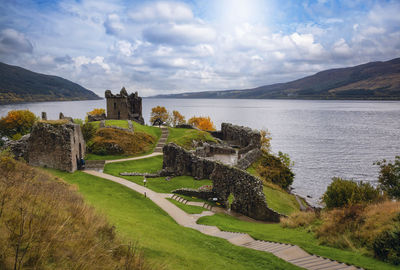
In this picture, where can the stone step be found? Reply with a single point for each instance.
(329, 264)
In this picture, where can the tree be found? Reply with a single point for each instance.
(202, 122)
(389, 177)
(97, 111)
(159, 112)
(17, 123)
(265, 140)
(177, 118)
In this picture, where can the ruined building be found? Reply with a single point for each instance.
(53, 144)
(124, 106)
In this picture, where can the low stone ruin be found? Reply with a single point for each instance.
(52, 144)
(247, 190)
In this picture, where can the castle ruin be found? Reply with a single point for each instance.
(124, 106)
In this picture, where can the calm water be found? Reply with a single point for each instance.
(323, 138)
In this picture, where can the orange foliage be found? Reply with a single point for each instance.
(177, 118)
(202, 122)
(97, 112)
(17, 122)
(159, 112)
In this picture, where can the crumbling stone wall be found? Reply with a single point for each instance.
(248, 158)
(243, 137)
(247, 190)
(208, 150)
(124, 106)
(58, 146)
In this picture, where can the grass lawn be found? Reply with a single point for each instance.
(190, 209)
(163, 241)
(153, 165)
(300, 237)
(117, 123)
(184, 136)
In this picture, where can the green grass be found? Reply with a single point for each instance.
(117, 123)
(153, 165)
(278, 199)
(190, 209)
(163, 241)
(184, 137)
(300, 237)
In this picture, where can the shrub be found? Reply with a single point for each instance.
(298, 219)
(97, 111)
(387, 246)
(342, 193)
(272, 169)
(265, 140)
(389, 177)
(88, 131)
(17, 122)
(202, 122)
(109, 141)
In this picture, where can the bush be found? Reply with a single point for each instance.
(272, 169)
(88, 131)
(110, 141)
(387, 246)
(389, 177)
(342, 193)
(97, 112)
(17, 122)
(202, 122)
(298, 219)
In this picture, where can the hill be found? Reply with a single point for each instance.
(374, 80)
(21, 85)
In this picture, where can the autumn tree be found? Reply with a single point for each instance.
(17, 123)
(159, 112)
(177, 118)
(389, 177)
(202, 122)
(265, 140)
(97, 111)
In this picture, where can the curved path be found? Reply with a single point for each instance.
(289, 253)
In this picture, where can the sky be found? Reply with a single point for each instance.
(162, 47)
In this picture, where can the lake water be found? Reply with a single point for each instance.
(323, 138)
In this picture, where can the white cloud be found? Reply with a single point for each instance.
(163, 12)
(113, 24)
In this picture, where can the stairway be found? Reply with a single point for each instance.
(162, 140)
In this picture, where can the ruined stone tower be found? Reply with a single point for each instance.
(124, 106)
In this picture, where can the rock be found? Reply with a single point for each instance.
(97, 117)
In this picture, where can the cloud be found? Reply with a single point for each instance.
(113, 24)
(162, 12)
(14, 42)
(177, 34)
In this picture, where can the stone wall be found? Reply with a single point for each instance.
(247, 190)
(208, 150)
(243, 137)
(245, 160)
(58, 146)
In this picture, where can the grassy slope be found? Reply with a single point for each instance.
(153, 165)
(184, 136)
(278, 199)
(164, 241)
(154, 131)
(300, 237)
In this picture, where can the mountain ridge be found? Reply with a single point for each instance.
(374, 80)
(18, 85)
